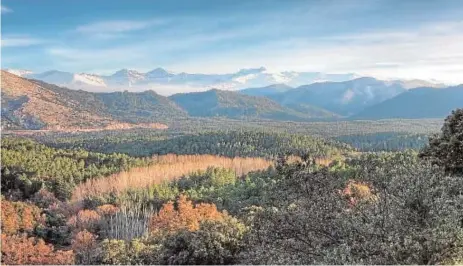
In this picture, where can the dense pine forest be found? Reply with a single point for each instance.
(234, 196)
(226, 143)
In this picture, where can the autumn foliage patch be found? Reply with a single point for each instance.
(186, 216)
(20, 249)
(166, 167)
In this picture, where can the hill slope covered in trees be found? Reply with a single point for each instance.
(417, 103)
(230, 104)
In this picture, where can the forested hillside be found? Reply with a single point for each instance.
(147, 106)
(387, 141)
(234, 105)
(276, 204)
(225, 143)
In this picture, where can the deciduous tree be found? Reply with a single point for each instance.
(20, 249)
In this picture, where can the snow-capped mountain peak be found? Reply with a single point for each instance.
(124, 78)
(166, 82)
(159, 73)
(126, 72)
(90, 79)
(19, 72)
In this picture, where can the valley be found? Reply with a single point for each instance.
(239, 132)
(262, 175)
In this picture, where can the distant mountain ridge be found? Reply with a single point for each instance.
(417, 103)
(348, 98)
(267, 91)
(167, 83)
(35, 104)
(344, 98)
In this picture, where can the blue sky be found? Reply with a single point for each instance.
(383, 38)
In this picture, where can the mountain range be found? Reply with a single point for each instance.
(344, 98)
(167, 82)
(35, 104)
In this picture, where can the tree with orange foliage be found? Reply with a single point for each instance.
(107, 209)
(19, 249)
(186, 216)
(85, 246)
(27, 221)
(196, 234)
(9, 218)
(19, 216)
(85, 219)
(357, 191)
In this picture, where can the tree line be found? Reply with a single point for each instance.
(245, 143)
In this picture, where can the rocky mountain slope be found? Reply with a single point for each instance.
(37, 105)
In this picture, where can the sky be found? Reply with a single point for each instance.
(382, 38)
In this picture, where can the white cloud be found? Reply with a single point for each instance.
(430, 52)
(115, 26)
(141, 53)
(20, 41)
(90, 57)
(5, 9)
